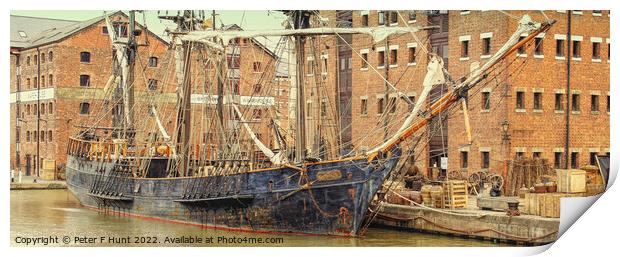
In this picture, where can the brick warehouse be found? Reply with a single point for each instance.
(68, 64)
(525, 103)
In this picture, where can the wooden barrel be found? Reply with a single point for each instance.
(437, 196)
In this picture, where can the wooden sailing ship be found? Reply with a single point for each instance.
(248, 185)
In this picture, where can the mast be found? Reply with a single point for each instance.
(301, 20)
(129, 93)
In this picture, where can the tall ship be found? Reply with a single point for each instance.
(202, 160)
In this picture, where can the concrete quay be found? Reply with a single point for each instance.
(28, 183)
(469, 223)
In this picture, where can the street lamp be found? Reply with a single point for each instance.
(505, 125)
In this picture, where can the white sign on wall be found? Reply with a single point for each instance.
(444, 163)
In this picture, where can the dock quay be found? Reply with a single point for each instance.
(39, 185)
(469, 223)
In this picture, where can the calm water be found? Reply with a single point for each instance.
(56, 213)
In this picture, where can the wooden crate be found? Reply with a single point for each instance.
(571, 181)
(546, 204)
(455, 194)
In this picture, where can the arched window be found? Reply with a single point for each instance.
(257, 89)
(85, 57)
(42, 109)
(50, 56)
(28, 109)
(84, 108)
(42, 135)
(50, 138)
(34, 81)
(42, 58)
(84, 80)
(28, 82)
(42, 81)
(28, 60)
(27, 136)
(153, 61)
(51, 108)
(36, 59)
(50, 80)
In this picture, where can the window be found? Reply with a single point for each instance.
(85, 57)
(28, 109)
(557, 160)
(380, 105)
(35, 109)
(596, 50)
(36, 59)
(520, 154)
(42, 109)
(608, 104)
(576, 49)
(233, 61)
(84, 108)
(27, 136)
(28, 60)
(381, 58)
(323, 108)
(392, 104)
(486, 46)
(104, 30)
(575, 103)
(84, 81)
(50, 80)
(538, 50)
(35, 82)
(394, 57)
(28, 82)
(43, 58)
(365, 61)
(50, 56)
(465, 48)
(412, 16)
(559, 101)
(464, 159)
(364, 20)
(411, 55)
(42, 136)
(381, 18)
(257, 88)
(42, 81)
(412, 100)
(521, 49)
(520, 100)
(393, 18)
(593, 158)
(485, 160)
(234, 86)
(364, 107)
(153, 61)
(486, 100)
(257, 67)
(152, 84)
(50, 108)
(256, 114)
(537, 101)
(594, 105)
(536, 155)
(559, 47)
(574, 160)
(120, 28)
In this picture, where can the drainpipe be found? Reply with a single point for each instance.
(38, 60)
(568, 93)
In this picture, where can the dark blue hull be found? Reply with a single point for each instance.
(328, 198)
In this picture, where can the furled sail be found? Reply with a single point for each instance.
(276, 159)
(377, 33)
(122, 58)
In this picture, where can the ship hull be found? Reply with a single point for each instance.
(328, 198)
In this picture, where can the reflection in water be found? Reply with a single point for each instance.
(44, 213)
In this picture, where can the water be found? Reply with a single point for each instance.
(56, 213)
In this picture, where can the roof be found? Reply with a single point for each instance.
(24, 28)
(259, 44)
(57, 31)
(281, 66)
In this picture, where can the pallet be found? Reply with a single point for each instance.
(455, 194)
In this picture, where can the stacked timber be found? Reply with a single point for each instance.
(455, 194)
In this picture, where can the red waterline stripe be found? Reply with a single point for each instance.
(205, 226)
